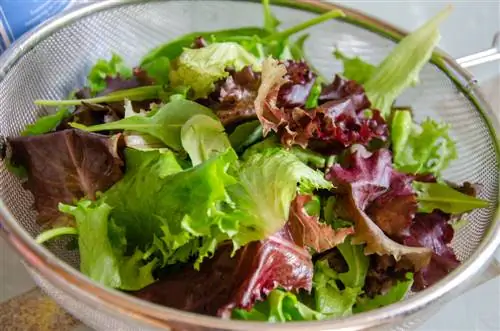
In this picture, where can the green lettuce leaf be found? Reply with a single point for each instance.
(164, 124)
(401, 67)
(432, 196)
(326, 301)
(329, 299)
(104, 69)
(174, 48)
(280, 306)
(102, 249)
(357, 263)
(245, 135)
(309, 157)
(200, 68)
(355, 68)
(396, 293)
(203, 137)
(271, 23)
(158, 69)
(425, 148)
(46, 123)
(265, 207)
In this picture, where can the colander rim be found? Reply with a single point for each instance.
(75, 284)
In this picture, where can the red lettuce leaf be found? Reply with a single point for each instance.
(300, 80)
(224, 283)
(435, 232)
(233, 98)
(369, 177)
(308, 231)
(64, 167)
(340, 121)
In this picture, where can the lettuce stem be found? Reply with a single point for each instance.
(54, 233)
(302, 26)
(134, 94)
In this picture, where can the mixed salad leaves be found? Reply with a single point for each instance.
(224, 176)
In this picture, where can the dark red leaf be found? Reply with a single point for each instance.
(300, 79)
(394, 210)
(433, 231)
(369, 179)
(66, 166)
(224, 283)
(199, 42)
(233, 99)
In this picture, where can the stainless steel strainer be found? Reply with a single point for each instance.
(51, 61)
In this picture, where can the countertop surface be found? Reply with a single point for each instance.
(470, 29)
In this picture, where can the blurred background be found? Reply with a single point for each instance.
(469, 29)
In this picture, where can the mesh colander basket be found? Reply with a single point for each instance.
(51, 61)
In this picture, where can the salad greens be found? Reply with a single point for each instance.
(224, 176)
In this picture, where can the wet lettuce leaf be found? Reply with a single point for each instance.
(440, 196)
(165, 123)
(65, 166)
(400, 69)
(421, 149)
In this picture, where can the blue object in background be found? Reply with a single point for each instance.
(19, 16)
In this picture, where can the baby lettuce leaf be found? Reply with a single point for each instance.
(203, 137)
(434, 231)
(355, 68)
(329, 299)
(103, 70)
(440, 196)
(102, 246)
(46, 123)
(200, 68)
(395, 294)
(174, 48)
(357, 263)
(421, 149)
(158, 70)
(401, 67)
(279, 306)
(367, 177)
(307, 156)
(245, 135)
(267, 208)
(180, 207)
(164, 124)
(65, 166)
(308, 231)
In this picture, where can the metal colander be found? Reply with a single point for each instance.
(53, 60)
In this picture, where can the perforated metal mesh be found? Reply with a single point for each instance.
(60, 62)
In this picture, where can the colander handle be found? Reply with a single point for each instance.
(486, 56)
